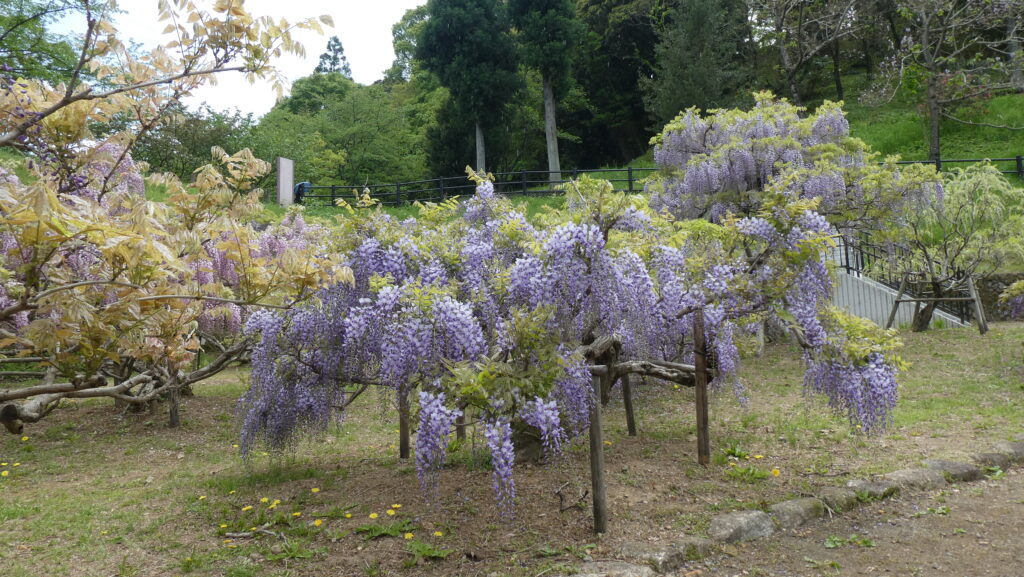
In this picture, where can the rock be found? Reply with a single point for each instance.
(741, 526)
(613, 569)
(873, 490)
(670, 557)
(1014, 450)
(838, 499)
(954, 471)
(991, 460)
(917, 478)
(791, 514)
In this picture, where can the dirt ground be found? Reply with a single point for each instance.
(974, 530)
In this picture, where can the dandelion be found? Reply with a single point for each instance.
(103, 532)
(234, 446)
(315, 490)
(408, 536)
(247, 508)
(264, 500)
(758, 456)
(438, 534)
(201, 497)
(4, 473)
(675, 386)
(396, 506)
(373, 515)
(226, 541)
(607, 442)
(297, 514)
(732, 463)
(252, 529)
(223, 525)
(232, 492)
(348, 515)
(23, 439)
(16, 465)
(232, 546)
(3, 464)
(390, 512)
(317, 523)
(776, 472)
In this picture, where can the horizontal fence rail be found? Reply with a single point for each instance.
(520, 182)
(538, 183)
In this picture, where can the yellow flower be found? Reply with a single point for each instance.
(232, 492)
(4, 473)
(373, 515)
(675, 386)
(103, 532)
(408, 535)
(252, 528)
(223, 525)
(438, 534)
(247, 508)
(732, 463)
(16, 465)
(318, 522)
(264, 500)
(348, 515)
(297, 514)
(272, 506)
(776, 472)
(226, 541)
(390, 512)
(315, 490)
(201, 497)
(3, 464)
(758, 456)
(607, 442)
(396, 506)
(24, 438)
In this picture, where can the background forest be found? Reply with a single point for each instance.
(606, 75)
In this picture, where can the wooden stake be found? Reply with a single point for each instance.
(403, 426)
(979, 311)
(597, 461)
(896, 305)
(627, 400)
(701, 379)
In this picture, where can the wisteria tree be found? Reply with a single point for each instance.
(105, 294)
(474, 311)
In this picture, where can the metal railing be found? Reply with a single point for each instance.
(537, 183)
(521, 182)
(887, 265)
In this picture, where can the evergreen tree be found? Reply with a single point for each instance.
(334, 59)
(549, 33)
(700, 59)
(466, 43)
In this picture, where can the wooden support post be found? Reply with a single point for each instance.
(896, 304)
(174, 412)
(627, 400)
(597, 461)
(460, 426)
(701, 380)
(403, 425)
(979, 311)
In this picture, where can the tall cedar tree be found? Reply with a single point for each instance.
(700, 59)
(549, 33)
(334, 59)
(466, 43)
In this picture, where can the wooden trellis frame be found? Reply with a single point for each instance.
(974, 299)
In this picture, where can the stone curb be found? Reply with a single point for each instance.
(649, 560)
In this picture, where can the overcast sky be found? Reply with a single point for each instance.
(364, 27)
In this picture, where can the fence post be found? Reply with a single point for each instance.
(522, 176)
(630, 172)
(398, 193)
(1020, 167)
(938, 164)
(334, 193)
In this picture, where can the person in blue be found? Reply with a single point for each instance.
(300, 191)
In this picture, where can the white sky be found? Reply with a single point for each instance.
(364, 27)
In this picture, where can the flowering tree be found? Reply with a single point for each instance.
(484, 312)
(105, 294)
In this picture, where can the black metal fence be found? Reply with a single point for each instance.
(522, 182)
(538, 183)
